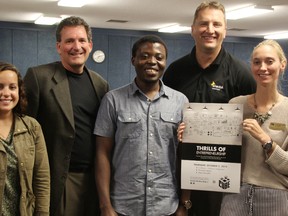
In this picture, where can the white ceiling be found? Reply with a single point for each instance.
(148, 14)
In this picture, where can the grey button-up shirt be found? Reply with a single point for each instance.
(144, 178)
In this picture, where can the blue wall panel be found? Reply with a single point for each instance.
(284, 77)
(119, 63)
(6, 54)
(181, 47)
(25, 49)
(27, 45)
(46, 47)
(243, 51)
(228, 46)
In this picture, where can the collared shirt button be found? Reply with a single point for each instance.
(171, 119)
(151, 134)
(22, 164)
(150, 153)
(149, 170)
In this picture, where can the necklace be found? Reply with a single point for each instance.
(261, 118)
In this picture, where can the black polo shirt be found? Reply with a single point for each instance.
(225, 78)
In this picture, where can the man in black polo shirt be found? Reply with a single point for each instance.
(209, 74)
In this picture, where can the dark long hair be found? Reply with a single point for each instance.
(21, 106)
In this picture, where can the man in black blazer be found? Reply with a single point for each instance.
(64, 97)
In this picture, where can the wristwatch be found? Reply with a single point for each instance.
(267, 146)
(187, 204)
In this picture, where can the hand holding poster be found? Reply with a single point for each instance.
(211, 147)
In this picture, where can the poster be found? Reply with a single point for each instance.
(211, 147)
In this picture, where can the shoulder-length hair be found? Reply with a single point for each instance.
(21, 106)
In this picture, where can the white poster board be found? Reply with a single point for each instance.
(211, 147)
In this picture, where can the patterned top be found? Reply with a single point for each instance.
(10, 206)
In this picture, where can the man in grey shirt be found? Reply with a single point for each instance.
(136, 142)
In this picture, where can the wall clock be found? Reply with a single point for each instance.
(98, 56)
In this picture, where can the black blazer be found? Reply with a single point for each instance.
(50, 103)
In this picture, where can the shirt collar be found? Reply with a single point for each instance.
(164, 90)
(217, 61)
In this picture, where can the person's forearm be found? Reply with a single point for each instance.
(102, 176)
(185, 195)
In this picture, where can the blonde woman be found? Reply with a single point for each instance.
(264, 188)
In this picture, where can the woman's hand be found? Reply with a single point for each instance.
(252, 126)
(180, 131)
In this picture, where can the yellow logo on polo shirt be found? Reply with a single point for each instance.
(216, 87)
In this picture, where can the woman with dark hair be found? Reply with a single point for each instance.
(24, 167)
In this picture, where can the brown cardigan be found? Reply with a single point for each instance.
(33, 167)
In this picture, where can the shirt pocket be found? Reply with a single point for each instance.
(130, 125)
(25, 149)
(169, 124)
(30, 157)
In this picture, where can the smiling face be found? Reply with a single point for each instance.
(266, 65)
(74, 48)
(149, 62)
(209, 30)
(9, 91)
